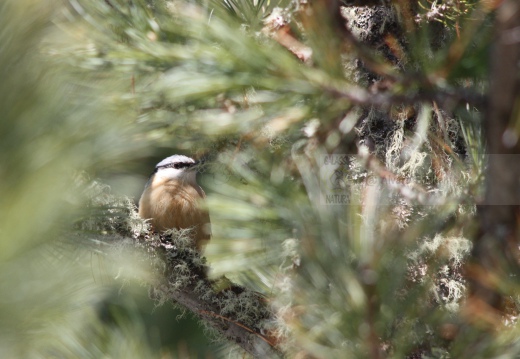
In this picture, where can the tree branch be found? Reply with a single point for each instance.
(240, 315)
(445, 99)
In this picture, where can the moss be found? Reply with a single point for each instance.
(180, 270)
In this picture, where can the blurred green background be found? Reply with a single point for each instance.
(60, 297)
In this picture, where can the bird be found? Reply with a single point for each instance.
(172, 199)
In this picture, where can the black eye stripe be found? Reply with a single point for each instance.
(177, 165)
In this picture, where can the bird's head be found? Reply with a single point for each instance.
(177, 167)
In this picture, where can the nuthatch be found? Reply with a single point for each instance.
(173, 199)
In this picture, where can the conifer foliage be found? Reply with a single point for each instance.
(361, 161)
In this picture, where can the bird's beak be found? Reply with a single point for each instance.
(196, 166)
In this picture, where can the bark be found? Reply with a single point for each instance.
(495, 253)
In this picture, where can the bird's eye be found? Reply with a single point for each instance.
(179, 165)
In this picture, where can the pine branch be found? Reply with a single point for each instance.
(179, 273)
(236, 313)
(445, 99)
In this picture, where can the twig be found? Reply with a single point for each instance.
(445, 99)
(205, 312)
(195, 293)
